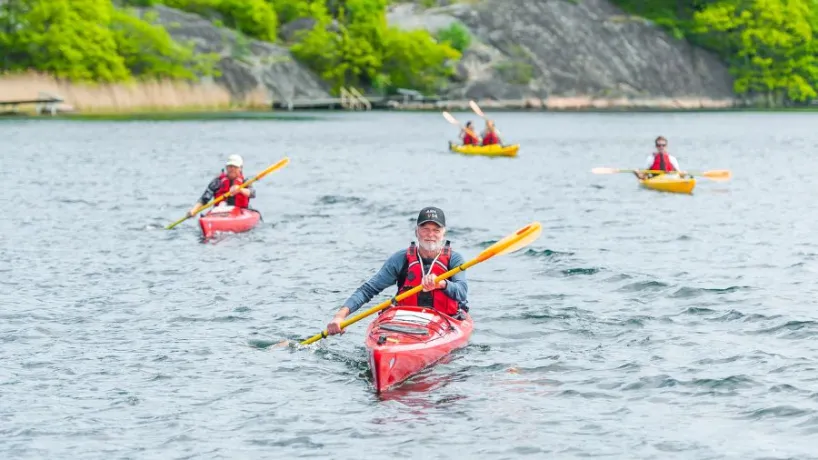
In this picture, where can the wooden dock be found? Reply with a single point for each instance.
(332, 103)
(45, 103)
(352, 99)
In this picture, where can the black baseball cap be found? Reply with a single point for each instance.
(431, 214)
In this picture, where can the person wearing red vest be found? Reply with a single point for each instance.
(490, 135)
(660, 160)
(418, 265)
(468, 135)
(228, 181)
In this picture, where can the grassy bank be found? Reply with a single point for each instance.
(219, 116)
(127, 98)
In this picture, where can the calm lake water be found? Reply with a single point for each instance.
(640, 324)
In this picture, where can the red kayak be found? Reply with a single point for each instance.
(233, 219)
(405, 340)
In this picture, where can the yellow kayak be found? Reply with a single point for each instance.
(670, 183)
(495, 150)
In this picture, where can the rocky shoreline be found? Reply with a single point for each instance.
(551, 55)
(570, 54)
(574, 56)
(552, 104)
(576, 104)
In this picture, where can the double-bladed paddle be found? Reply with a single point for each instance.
(514, 242)
(454, 121)
(719, 175)
(283, 162)
(479, 112)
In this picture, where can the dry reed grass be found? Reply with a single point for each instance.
(132, 97)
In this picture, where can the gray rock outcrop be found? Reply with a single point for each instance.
(546, 48)
(246, 65)
(290, 30)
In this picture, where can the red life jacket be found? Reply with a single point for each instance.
(661, 162)
(436, 299)
(238, 200)
(491, 138)
(469, 139)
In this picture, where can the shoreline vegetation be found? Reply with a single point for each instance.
(185, 97)
(175, 99)
(125, 97)
(136, 66)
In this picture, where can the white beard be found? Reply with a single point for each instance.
(430, 247)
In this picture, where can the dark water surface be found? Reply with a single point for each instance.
(640, 325)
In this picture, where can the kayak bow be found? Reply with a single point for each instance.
(669, 183)
(235, 220)
(405, 340)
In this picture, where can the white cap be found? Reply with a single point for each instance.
(234, 160)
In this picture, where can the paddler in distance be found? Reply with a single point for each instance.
(228, 181)
(468, 135)
(418, 265)
(490, 136)
(660, 160)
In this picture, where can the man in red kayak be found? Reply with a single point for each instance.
(660, 160)
(418, 265)
(468, 135)
(228, 181)
(490, 136)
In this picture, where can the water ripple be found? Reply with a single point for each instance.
(639, 325)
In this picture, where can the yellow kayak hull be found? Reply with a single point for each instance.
(672, 184)
(495, 150)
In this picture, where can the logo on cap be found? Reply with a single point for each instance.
(432, 214)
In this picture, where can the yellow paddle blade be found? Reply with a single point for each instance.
(609, 170)
(450, 118)
(718, 174)
(514, 242)
(476, 109)
(511, 243)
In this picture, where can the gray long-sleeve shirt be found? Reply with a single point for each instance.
(214, 186)
(457, 287)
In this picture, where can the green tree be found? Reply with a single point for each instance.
(68, 38)
(290, 10)
(769, 43)
(456, 36)
(150, 52)
(414, 60)
(319, 48)
(347, 57)
(256, 18)
(89, 40)
(365, 52)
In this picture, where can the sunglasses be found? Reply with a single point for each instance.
(661, 145)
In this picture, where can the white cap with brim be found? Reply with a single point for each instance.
(234, 160)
